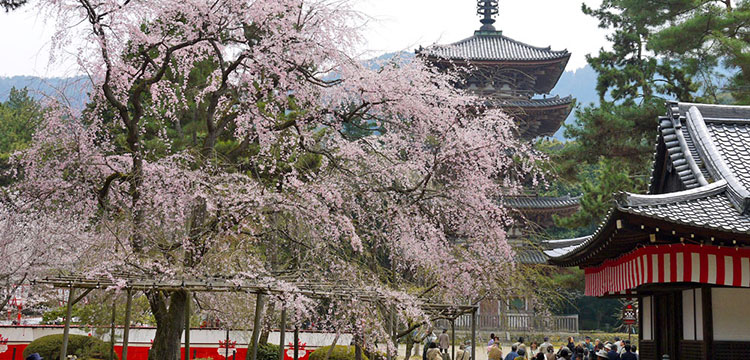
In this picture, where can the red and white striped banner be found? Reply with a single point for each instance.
(670, 264)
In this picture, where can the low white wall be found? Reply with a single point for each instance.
(198, 337)
(731, 314)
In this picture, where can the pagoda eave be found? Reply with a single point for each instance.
(538, 119)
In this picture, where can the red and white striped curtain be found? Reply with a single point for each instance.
(670, 264)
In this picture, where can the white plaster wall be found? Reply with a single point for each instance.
(647, 318)
(731, 314)
(688, 315)
(198, 337)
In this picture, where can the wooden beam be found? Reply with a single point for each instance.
(66, 330)
(80, 297)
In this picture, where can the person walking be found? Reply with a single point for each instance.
(444, 341)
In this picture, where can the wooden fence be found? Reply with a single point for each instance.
(518, 322)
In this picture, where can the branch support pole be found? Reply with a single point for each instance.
(126, 330)
(282, 334)
(66, 331)
(474, 334)
(296, 342)
(453, 339)
(260, 302)
(112, 341)
(187, 327)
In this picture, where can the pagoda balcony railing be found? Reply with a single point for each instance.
(521, 322)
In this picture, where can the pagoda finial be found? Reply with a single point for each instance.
(487, 9)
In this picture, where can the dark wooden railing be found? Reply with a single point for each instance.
(518, 322)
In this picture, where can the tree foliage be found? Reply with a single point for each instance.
(240, 139)
(9, 5)
(660, 51)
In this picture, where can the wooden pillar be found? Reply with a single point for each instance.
(474, 334)
(126, 330)
(260, 301)
(708, 322)
(66, 330)
(453, 339)
(112, 341)
(296, 342)
(282, 334)
(187, 327)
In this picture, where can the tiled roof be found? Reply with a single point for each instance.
(733, 142)
(683, 155)
(705, 143)
(557, 248)
(706, 207)
(540, 202)
(493, 46)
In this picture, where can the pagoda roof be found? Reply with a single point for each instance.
(495, 47)
(523, 202)
(537, 117)
(708, 156)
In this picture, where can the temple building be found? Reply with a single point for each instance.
(517, 78)
(683, 249)
(509, 74)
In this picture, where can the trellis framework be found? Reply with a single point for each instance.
(318, 290)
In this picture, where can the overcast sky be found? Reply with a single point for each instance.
(396, 25)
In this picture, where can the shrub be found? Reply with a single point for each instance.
(268, 352)
(340, 352)
(84, 347)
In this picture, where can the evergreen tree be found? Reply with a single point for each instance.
(19, 116)
(660, 51)
(9, 5)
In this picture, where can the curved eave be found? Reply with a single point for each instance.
(627, 227)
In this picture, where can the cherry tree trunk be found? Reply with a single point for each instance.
(170, 322)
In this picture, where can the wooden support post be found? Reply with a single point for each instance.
(389, 326)
(126, 329)
(296, 342)
(112, 341)
(187, 327)
(66, 330)
(357, 348)
(282, 334)
(260, 302)
(453, 339)
(474, 334)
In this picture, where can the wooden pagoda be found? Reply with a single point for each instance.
(682, 250)
(509, 74)
(516, 77)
